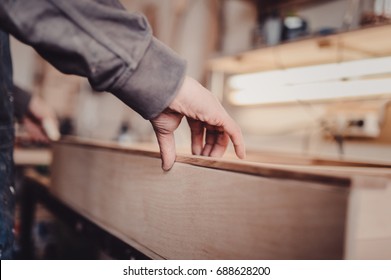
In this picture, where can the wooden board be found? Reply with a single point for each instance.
(32, 156)
(364, 43)
(224, 209)
(312, 160)
(194, 212)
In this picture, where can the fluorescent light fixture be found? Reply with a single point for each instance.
(321, 82)
(311, 92)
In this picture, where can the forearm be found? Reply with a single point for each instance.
(114, 49)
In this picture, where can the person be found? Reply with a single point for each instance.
(117, 52)
(32, 111)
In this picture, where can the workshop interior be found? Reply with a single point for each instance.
(309, 84)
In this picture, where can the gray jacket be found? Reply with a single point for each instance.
(100, 40)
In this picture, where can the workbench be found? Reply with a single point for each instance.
(32, 156)
(207, 208)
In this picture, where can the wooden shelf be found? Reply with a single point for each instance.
(284, 4)
(364, 43)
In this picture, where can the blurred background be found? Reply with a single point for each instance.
(282, 107)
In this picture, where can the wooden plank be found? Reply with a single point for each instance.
(346, 46)
(297, 159)
(336, 174)
(260, 169)
(34, 156)
(366, 43)
(292, 4)
(196, 212)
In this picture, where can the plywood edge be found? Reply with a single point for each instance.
(268, 170)
(259, 169)
(313, 159)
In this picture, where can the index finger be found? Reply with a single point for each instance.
(235, 134)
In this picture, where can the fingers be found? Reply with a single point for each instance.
(202, 108)
(197, 136)
(235, 134)
(216, 138)
(220, 145)
(164, 126)
(35, 131)
(51, 129)
(223, 122)
(216, 142)
(167, 149)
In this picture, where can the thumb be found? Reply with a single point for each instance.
(167, 149)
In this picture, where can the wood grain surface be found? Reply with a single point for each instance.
(198, 212)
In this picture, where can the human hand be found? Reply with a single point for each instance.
(205, 116)
(40, 121)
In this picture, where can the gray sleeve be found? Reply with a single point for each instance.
(99, 40)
